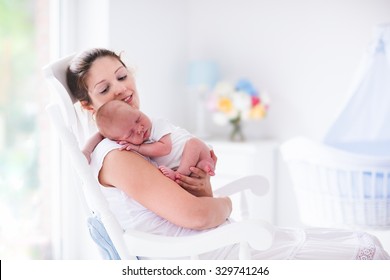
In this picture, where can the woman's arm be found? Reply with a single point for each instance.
(145, 183)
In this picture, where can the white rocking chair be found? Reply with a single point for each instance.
(73, 126)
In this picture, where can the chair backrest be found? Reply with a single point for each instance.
(73, 126)
(78, 120)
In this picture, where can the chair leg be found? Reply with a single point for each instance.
(244, 253)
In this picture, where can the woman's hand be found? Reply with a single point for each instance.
(197, 184)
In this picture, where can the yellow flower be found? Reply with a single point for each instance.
(257, 112)
(224, 105)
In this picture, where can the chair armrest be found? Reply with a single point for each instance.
(258, 234)
(257, 184)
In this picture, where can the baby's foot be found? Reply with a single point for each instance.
(167, 172)
(207, 167)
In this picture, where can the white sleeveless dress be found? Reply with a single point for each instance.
(304, 244)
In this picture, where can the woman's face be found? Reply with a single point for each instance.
(108, 80)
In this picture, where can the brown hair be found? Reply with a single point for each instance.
(78, 70)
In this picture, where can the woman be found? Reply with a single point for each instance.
(143, 198)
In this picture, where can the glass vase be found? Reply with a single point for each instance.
(237, 135)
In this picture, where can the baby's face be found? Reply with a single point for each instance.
(132, 126)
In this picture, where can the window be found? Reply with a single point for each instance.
(25, 230)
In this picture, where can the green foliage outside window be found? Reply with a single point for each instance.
(20, 193)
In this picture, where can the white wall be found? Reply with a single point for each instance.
(153, 35)
(82, 24)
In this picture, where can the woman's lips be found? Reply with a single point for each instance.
(128, 99)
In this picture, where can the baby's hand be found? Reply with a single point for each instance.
(87, 154)
(128, 146)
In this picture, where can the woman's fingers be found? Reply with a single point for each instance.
(197, 172)
(188, 182)
(198, 183)
(187, 186)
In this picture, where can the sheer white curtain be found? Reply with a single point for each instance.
(75, 26)
(25, 227)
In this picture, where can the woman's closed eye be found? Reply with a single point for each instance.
(103, 89)
(122, 78)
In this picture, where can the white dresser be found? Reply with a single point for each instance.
(237, 159)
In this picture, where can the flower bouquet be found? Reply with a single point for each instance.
(236, 103)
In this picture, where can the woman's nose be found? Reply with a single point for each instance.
(120, 89)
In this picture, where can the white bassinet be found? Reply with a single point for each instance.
(338, 188)
(345, 181)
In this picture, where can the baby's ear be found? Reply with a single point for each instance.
(86, 106)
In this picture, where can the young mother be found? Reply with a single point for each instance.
(142, 198)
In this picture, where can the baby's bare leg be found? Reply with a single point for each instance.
(196, 153)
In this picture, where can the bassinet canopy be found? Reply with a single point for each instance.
(363, 126)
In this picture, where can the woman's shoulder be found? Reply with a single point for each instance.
(102, 150)
(104, 147)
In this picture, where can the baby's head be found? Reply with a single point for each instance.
(110, 117)
(119, 121)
